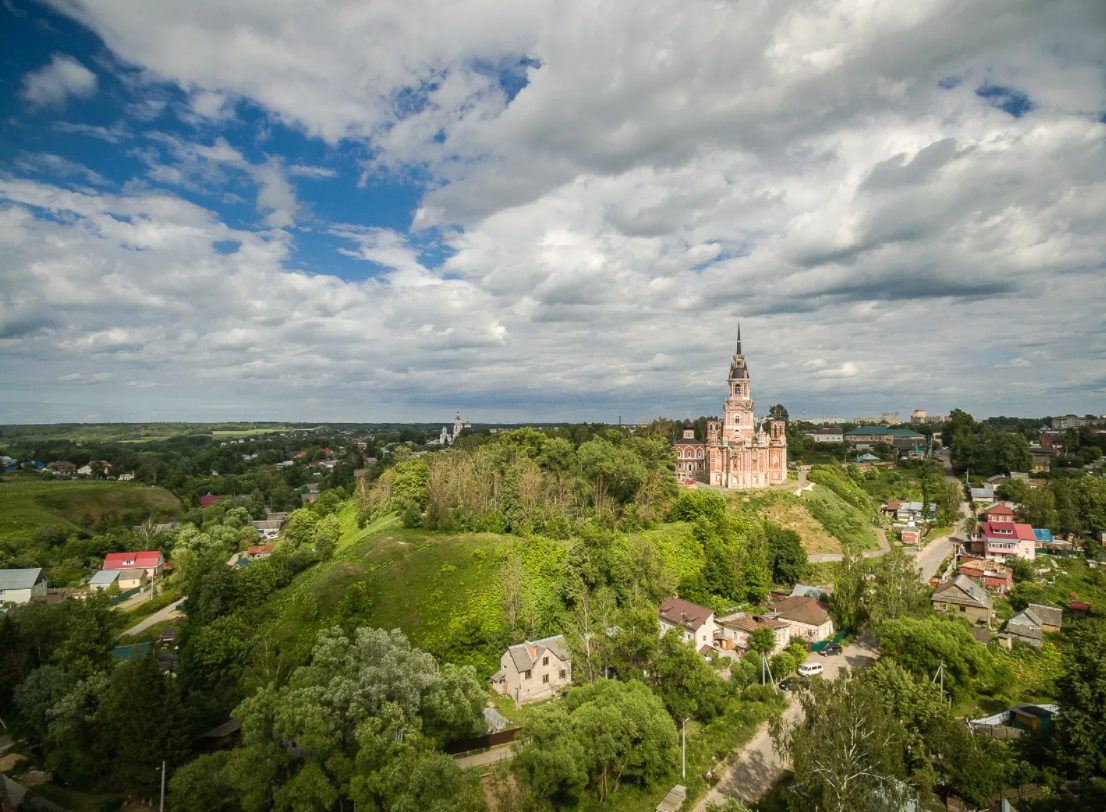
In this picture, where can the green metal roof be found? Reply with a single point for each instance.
(886, 431)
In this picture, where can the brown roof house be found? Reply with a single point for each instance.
(734, 631)
(534, 670)
(809, 617)
(695, 622)
(965, 597)
(1030, 624)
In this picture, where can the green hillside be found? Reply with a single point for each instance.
(26, 505)
(822, 519)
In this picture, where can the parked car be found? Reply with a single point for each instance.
(831, 650)
(810, 669)
(793, 684)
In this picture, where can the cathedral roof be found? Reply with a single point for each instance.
(688, 424)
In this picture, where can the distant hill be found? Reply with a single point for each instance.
(26, 505)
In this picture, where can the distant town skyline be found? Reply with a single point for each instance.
(382, 211)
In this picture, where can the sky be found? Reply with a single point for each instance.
(366, 211)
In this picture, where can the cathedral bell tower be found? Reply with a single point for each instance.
(737, 424)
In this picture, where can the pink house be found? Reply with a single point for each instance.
(148, 561)
(1007, 539)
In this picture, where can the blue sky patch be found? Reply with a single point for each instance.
(1007, 99)
(949, 82)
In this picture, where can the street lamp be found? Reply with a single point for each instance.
(683, 769)
(161, 807)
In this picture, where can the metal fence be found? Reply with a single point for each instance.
(122, 596)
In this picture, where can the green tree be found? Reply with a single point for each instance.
(37, 694)
(625, 733)
(326, 535)
(846, 750)
(850, 587)
(684, 681)
(779, 411)
(201, 785)
(896, 590)
(922, 645)
(549, 759)
(1082, 689)
(141, 723)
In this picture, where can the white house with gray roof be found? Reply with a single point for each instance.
(20, 586)
(534, 670)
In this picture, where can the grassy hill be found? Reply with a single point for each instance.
(822, 519)
(26, 505)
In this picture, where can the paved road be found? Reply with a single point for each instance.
(757, 767)
(168, 613)
(884, 548)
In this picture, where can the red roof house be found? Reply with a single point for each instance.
(260, 550)
(148, 561)
(998, 513)
(1006, 539)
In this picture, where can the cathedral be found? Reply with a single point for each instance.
(738, 453)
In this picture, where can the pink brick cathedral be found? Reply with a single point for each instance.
(738, 454)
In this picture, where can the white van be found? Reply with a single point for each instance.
(810, 669)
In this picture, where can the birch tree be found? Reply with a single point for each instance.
(845, 748)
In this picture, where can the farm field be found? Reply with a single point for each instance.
(26, 505)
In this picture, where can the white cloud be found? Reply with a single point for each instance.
(51, 85)
(666, 166)
(51, 164)
(299, 170)
(83, 378)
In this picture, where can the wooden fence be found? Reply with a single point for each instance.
(996, 731)
(481, 742)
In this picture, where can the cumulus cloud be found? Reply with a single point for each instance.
(52, 84)
(897, 202)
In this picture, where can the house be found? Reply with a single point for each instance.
(268, 528)
(809, 618)
(733, 631)
(20, 586)
(260, 550)
(984, 494)
(149, 561)
(103, 579)
(867, 436)
(961, 595)
(1080, 609)
(818, 592)
(131, 579)
(829, 434)
(695, 622)
(915, 511)
(988, 574)
(911, 534)
(1003, 540)
(125, 477)
(208, 500)
(891, 509)
(1041, 457)
(997, 513)
(63, 467)
(309, 498)
(534, 670)
(867, 458)
(86, 470)
(1031, 623)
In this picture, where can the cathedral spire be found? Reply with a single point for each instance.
(738, 336)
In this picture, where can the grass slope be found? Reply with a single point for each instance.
(26, 505)
(822, 519)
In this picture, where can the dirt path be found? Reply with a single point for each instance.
(168, 613)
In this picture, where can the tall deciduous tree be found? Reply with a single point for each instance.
(1082, 688)
(847, 749)
(847, 604)
(896, 590)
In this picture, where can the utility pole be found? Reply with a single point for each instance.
(683, 767)
(161, 807)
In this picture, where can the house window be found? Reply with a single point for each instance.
(545, 678)
(545, 661)
(562, 673)
(527, 675)
(963, 608)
